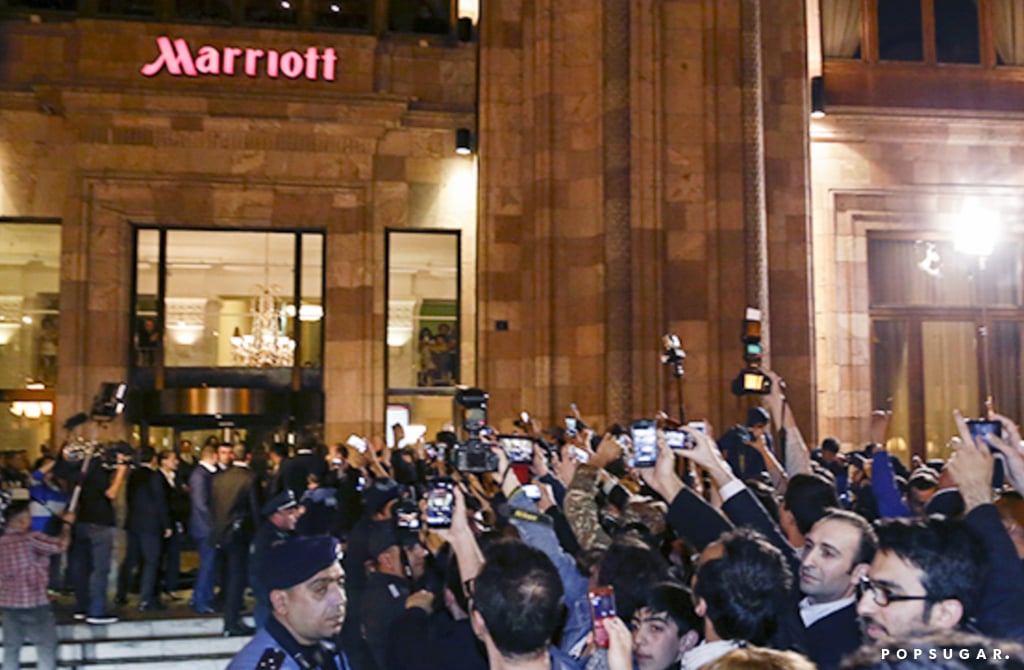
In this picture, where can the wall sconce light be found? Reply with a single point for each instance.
(817, 97)
(463, 142)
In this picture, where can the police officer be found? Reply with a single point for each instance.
(307, 594)
(281, 512)
(399, 561)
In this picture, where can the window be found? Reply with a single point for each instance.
(899, 30)
(29, 331)
(228, 299)
(29, 301)
(420, 16)
(922, 31)
(423, 327)
(957, 35)
(945, 334)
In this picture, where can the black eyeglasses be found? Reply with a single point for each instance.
(882, 595)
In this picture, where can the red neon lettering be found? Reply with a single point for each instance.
(251, 56)
(272, 59)
(329, 58)
(177, 58)
(230, 54)
(208, 61)
(291, 64)
(312, 55)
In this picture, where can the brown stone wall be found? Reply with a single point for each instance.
(551, 204)
(787, 191)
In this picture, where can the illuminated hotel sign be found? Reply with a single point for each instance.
(177, 58)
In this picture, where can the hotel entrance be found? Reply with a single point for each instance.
(227, 335)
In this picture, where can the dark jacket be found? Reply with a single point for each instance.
(826, 642)
(421, 641)
(200, 485)
(235, 504)
(177, 500)
(94, 506)
(1000, 609)
(295, 471)
(148, 513)
(383, 602)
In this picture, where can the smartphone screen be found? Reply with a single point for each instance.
(409, 518)
(570, 425)
(532, 491)
(602, 606)
(440, 503)
(982, 428)
(357, 443)
(518, 449)
(580, 455)
(676, 439)
(645, 443)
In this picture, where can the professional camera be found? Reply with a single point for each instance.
(473, 455)
(108, 455)
(109, 402)
(472, 402)
(672, 353)
(752, 380)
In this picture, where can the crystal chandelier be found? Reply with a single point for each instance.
(265, 347)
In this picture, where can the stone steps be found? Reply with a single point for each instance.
(193, 643)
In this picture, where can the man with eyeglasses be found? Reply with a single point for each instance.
(937, 574)
(925, 578)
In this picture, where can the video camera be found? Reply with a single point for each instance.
(672, 353)
(474, 455)
(108, 455)
(109, 402)
(752, 380)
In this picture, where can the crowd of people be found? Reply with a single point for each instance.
(745, 552)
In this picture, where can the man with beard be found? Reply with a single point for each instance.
(307, 593)
(925, 578)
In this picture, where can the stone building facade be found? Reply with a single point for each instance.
(640, 168)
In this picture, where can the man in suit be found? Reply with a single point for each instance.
(235, 503)
(200, 523)
(177, 504)
(148, 523)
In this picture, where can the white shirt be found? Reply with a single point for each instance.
(212, 469)
(811, 613)
(707, 652)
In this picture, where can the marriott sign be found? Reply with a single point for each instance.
(177, 58)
